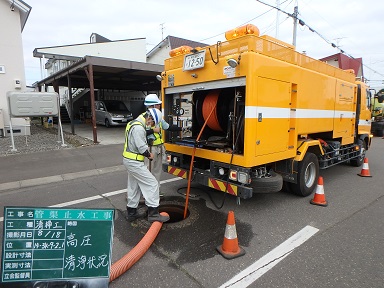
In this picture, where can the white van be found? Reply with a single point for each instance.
(112, 113)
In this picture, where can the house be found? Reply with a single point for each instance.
(342, 61)
(161, 51)
(13, 17)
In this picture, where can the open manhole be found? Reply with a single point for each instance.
(175, 212)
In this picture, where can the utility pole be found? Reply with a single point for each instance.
(295, 13)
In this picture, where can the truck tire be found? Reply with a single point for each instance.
(308, 174)
(357, 162)
(274, 183)
(379, 131)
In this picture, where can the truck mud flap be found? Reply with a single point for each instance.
(217, 184)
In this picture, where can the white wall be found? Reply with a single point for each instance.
(132, 50)
(159, 56)
(11, 58)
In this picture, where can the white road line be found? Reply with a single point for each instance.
(65, 204)
(268, 261)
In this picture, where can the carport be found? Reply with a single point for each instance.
(103, 73)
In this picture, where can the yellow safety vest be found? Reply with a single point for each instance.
(158, 139)
(126, 153)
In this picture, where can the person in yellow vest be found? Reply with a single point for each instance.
(155, 138)
(139, 177)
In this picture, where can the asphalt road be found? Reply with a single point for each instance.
(345, 248)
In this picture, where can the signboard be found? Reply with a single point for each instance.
(33, 104)
(56, 244)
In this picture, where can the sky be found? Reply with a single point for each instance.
(353, 26)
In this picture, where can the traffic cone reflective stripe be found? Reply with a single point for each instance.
(230, 248)
(365, 171)
(319, 198)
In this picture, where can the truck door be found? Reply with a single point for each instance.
(273, 116)
(345, 107)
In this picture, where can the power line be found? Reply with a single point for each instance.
(302, 23)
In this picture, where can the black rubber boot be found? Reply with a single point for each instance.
(154, 215)
(133, 214)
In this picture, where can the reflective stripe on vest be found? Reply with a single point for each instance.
(126, 153)
(133, 156)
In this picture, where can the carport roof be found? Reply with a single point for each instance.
(108, 74)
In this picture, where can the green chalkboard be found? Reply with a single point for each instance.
(56, 243)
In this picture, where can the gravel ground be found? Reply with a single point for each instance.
(41, 139)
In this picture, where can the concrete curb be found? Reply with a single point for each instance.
(59, 178)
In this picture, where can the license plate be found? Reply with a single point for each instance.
(194, 61)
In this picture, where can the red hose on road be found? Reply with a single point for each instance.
(121, 266)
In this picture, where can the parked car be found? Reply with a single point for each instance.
(112, 113)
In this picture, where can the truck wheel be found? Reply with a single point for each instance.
(107, 124)
(357, 162)
(274, 183)
(308, 173)
(379, 131)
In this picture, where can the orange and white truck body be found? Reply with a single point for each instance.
(260, 115)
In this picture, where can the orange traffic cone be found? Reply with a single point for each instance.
(365, 171)
(319, 198)
(230, 248)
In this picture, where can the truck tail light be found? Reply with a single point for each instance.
(233, 175)
(169, 158)
(221, 171)
(243, 177)
(238, 176)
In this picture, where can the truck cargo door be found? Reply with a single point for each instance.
(273, 116)
(345, 107)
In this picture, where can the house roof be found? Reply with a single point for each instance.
(346, 62)
(175, 42)
(97, 38)
(46, 53)
(108, 74)
(24, 9)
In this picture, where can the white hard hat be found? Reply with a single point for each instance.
(156, 115)
(151, 99)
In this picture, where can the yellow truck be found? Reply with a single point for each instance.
(261, 116)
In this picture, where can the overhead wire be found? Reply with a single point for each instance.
(302, 23)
